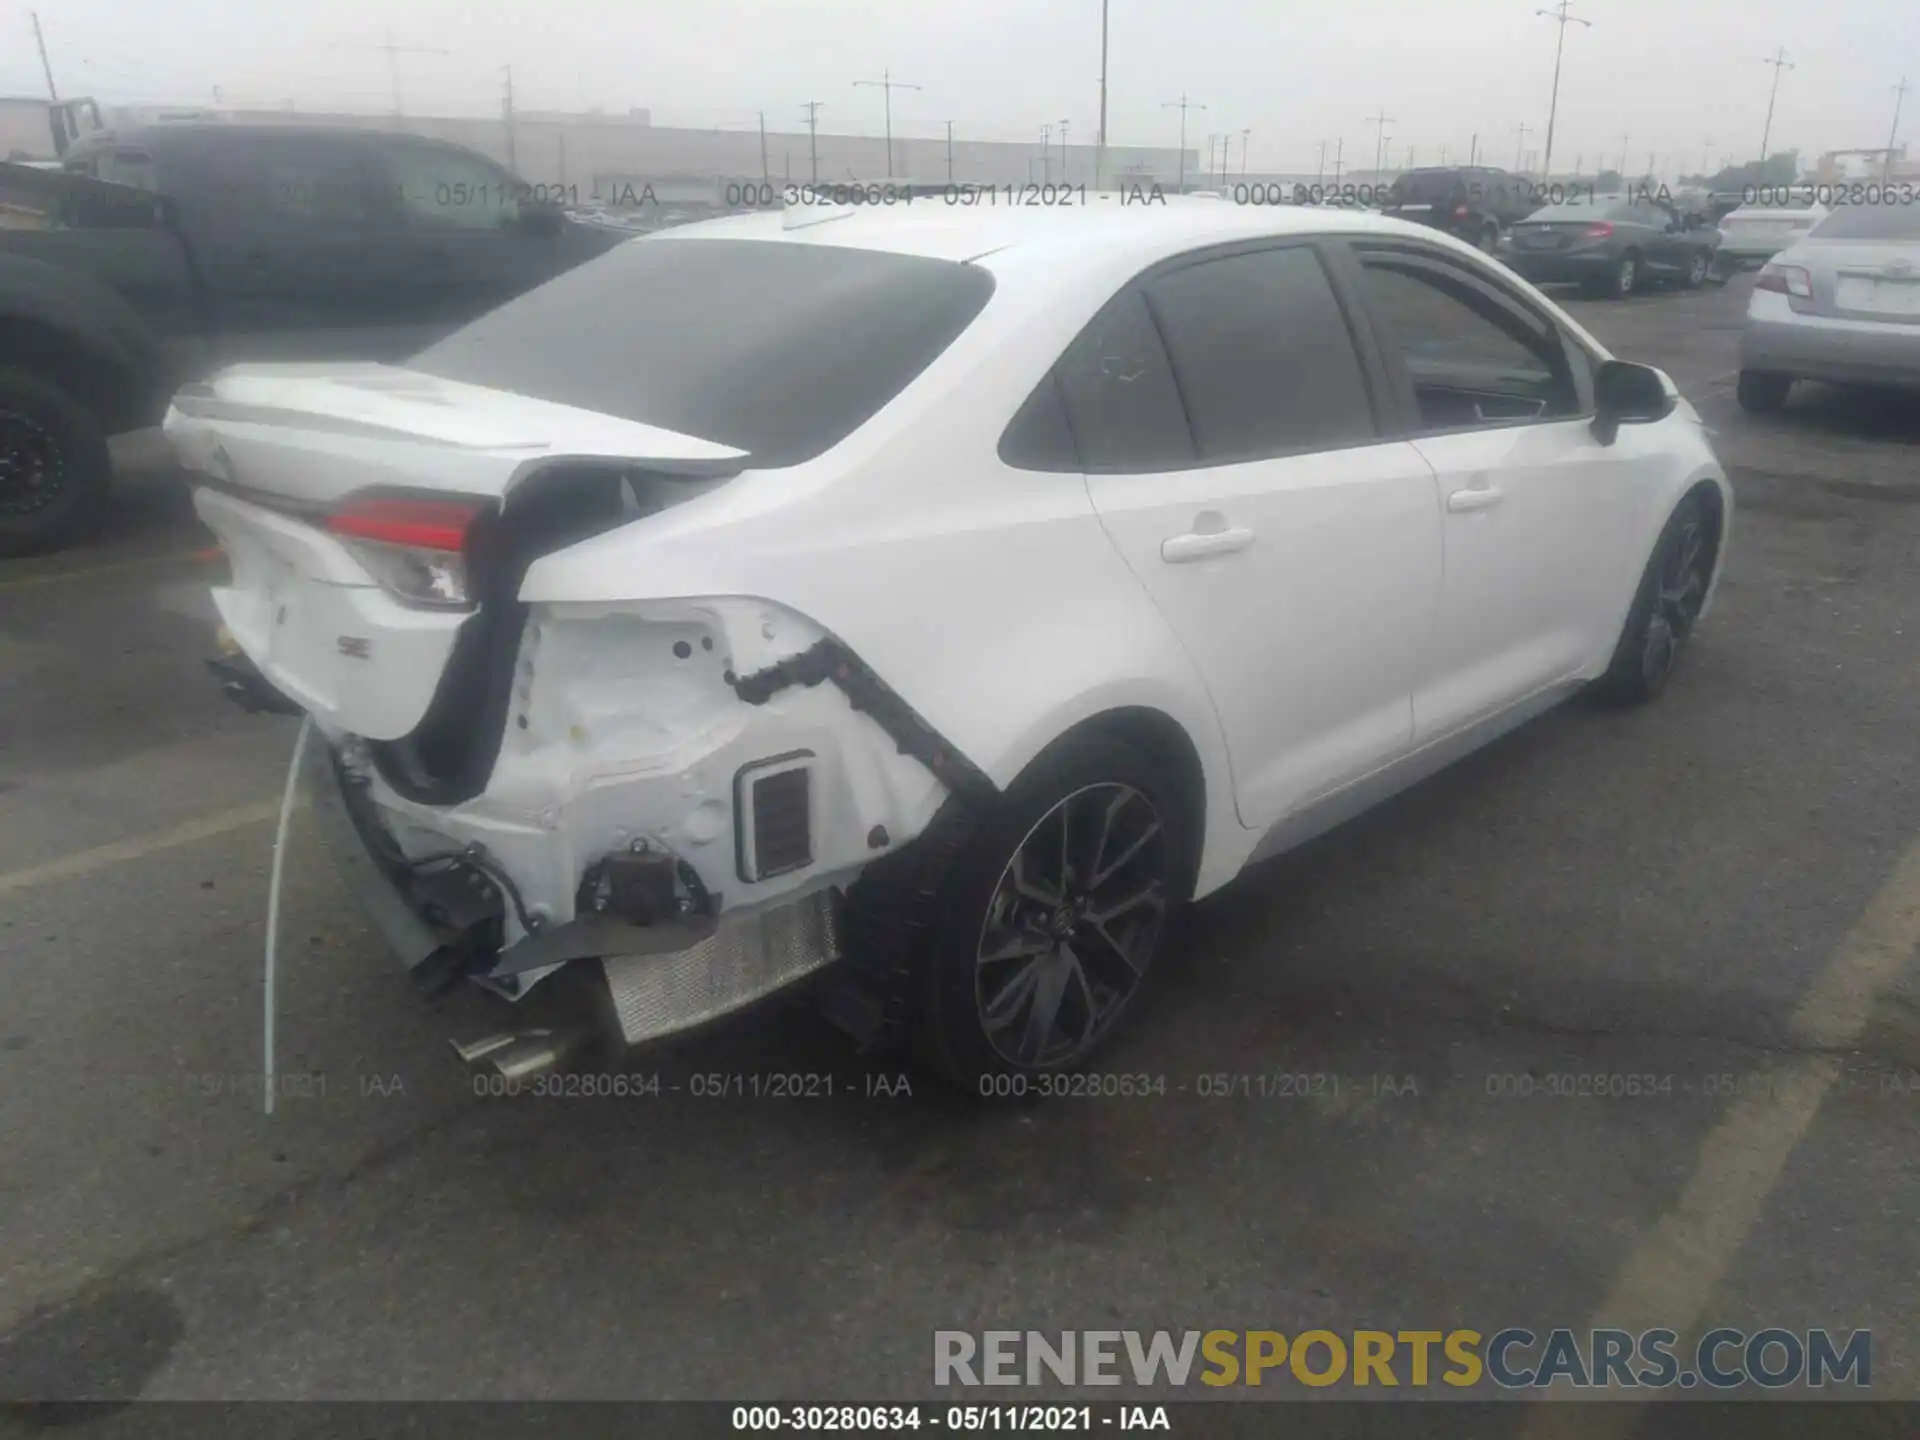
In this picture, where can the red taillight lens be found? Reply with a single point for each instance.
(1459, 212)
(1599, 230)
(1785, 280)
(416, 549)
(425, 524)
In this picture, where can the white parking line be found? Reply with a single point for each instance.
(85, 862)
(1674, 1273)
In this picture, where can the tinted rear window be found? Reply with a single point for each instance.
(1429, 184)
(1870, 222)
(1581, 210)
(781, 350)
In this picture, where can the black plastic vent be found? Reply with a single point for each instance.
(776, 818)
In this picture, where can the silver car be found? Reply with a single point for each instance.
(1754, 234)
(1842, 305)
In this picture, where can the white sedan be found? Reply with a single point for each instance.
(927, 602)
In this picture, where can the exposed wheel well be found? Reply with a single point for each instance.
(1716, 506)
(1167, 746)
(111, 391)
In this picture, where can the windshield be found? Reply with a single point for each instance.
(781, 350)
(1870, 222)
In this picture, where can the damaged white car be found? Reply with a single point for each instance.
(923, 604)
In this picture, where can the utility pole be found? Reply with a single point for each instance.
(394, 52)
(513, 161)
(1473, 150)
(1063, 150)
(1246, 139)
(1519, 150)
(1893, 135)
(1339, 145)
(1320, 170)
(1562, 15)
(1046, 155)
(949, 152)
(1779, 62)
(812, 107)
(1100, 148)
(886, 84)
(1212, 142)
(1623, 157)
(1183, 105)
(45, 66)
(1380, 123)
(1409, 157)
(766, 172)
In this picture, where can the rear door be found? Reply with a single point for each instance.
(294, 243)
(470, 242)
(1535, 511)
(1228, 419)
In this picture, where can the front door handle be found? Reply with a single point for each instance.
(1199, 545)
(1462, 502)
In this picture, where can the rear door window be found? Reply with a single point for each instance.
(1263, 356)
(778, 349)
(1120, 394)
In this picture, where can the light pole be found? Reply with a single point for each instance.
(1380, 123)
(1046, 154)
(1893, 135)
(886, 84)
(1519, 149)
(1562, 15)
(949, 152)
(1779, 62)
(1246, 138)
(1183, 105)
(812, 107)
(1100, 147)
(1063, 150)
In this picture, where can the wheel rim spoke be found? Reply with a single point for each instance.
(1072, 925)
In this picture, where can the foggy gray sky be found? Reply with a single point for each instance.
(1670, 74)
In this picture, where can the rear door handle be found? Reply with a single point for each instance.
(1198, 545)
(1462, 502)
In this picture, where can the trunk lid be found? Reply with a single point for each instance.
(344, 623)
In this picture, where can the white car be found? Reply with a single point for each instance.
(1754, 234)
(933, 598)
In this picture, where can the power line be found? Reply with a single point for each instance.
(887, 85)
(393, 53)
(1779, 62)
(1183, 104)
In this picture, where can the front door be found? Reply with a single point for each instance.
(1535, 512)
(1228, 424)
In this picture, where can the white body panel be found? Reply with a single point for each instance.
(1363, 623)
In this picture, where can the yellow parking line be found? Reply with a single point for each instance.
(1674, 1273)
(86, 862)
(118, 567)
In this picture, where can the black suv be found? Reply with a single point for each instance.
(1474, 202)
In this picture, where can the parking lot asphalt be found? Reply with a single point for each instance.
(1718, 895)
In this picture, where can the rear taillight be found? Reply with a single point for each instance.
(1459, 212)
(1598, 230)
(417, 549)
(1785, 280)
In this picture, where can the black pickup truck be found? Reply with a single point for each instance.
(152, 257)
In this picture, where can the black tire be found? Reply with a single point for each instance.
(1625, 277)
(1672, 589)
(55, 470)
(1762, 393)
(916, 923)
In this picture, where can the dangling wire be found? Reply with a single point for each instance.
(273, 898)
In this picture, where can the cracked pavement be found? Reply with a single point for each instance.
(1651, 895)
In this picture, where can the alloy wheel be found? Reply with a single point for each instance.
(1696, 271)
(1072, 925)
(30, 469)
(1625, 275)
(1676, 605)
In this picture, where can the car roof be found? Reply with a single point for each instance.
(1106, 224)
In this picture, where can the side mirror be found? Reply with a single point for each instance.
(1627, 394)
(539, 217)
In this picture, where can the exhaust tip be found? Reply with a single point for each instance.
(523, 1056)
